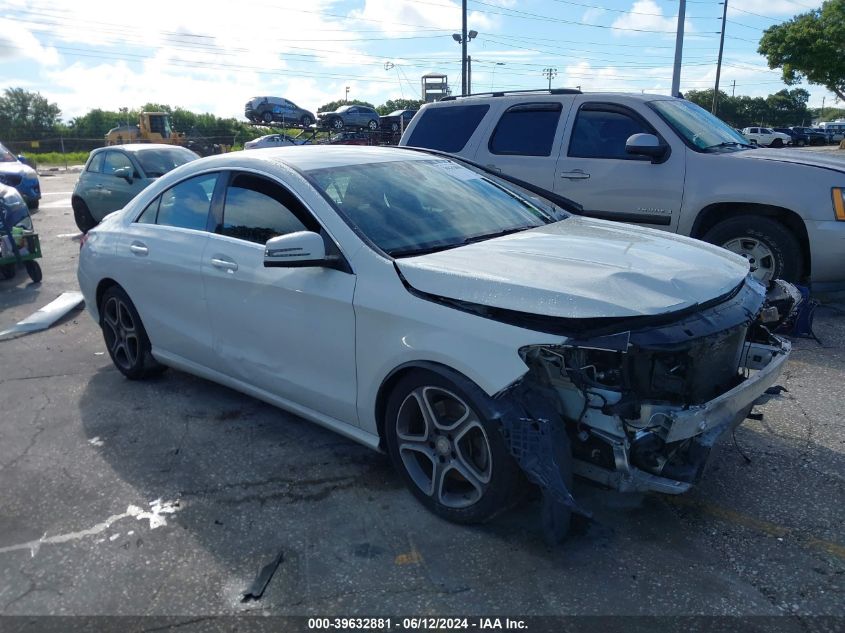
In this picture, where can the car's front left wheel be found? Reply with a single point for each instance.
(82, 215)
(452, 459)
(125, 337)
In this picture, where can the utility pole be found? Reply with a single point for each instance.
(463, 48)
(550, 73)
(821, 114)
(719, 63)
(733, 89)
(679, 48)
(346, 98)
(469, 74)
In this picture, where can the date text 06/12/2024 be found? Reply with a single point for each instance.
(416, 624)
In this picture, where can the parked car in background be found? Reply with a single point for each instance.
(270, 140)
(835, 130)
(814, 137)
(656, 161)
(766, 137)
(277, 110)
(349, 116)
(397, 120)
(827, 134)
(14, 172)
(798, 139)
(475, 366)
(351, 138)
(114, 175)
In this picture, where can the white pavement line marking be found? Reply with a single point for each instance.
(55, 205)
(155, 516)
(77, 234)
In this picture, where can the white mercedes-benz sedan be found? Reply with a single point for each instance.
(470, 326)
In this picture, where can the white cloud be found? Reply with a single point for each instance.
(18, 42)
(392, 16)
(592, 15)
(644, 18)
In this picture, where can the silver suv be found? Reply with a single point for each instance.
(658, 161)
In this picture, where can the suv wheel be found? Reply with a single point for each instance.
(373, 125)
(771, 249)
(267, 117)
(452, 459)
(777, 143)
(306, 121)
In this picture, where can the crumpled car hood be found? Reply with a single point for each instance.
(798, 157)
(580, 268)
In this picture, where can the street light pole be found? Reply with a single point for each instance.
(463, 48)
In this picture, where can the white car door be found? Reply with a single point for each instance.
(288, 331)
(595, 170)
(162, 254)
(526, 141)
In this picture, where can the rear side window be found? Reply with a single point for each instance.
(96, 164)
(186, 205)
(603, 133)
(447, 129)
(527, 129)
(257, 210)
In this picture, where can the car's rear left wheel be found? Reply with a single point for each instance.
(125, 337)
(451, 458)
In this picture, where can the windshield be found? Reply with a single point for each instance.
(157, 162)
(6, 156)
(421, 206)
(700, 128)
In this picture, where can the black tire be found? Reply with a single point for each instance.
(33, 269)
(125, 337)
(753, 141)
(267, 117)
(786, 251)
(777, 143)
(394, 127)
(8, 270)
(337, 123)
(306, 121)
(475, 445)
(32, 204)
(82, 215)
(373, 125)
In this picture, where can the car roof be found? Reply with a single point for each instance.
(542, 93)
(138, 147)
(309, 157)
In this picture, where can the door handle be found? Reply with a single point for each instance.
(224, 264)
(498, 170)
(575, 174)
(138, 248)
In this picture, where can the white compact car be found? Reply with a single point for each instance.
(467, 326)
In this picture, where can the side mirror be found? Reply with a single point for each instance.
(646, 145)
(124, 172)
(295, 250)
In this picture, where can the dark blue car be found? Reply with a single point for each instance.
(15, 173)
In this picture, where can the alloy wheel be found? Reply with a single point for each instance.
(444, 447)
(121, 333)
(760, 257)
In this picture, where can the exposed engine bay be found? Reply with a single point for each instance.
(641, 409)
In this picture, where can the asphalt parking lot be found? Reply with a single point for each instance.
(167, 497)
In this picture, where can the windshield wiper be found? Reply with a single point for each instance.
(490, 236)
(728, 144)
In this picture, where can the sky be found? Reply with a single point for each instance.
(212, 56)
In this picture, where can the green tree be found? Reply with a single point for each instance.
(26, 115)
(331, 106)
(788, 107)
(399, 104)
(810, 46)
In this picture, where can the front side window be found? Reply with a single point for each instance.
(115, 161)
(95, 165)
(257, 210)
(527, 129)
(447, 129)
(411, 207)
(186, 205)
(603, 134)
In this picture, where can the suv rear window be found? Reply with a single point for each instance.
(527, 129)
(447, 129)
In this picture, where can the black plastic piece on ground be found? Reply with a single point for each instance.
(263, 579)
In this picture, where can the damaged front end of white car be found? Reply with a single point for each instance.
(644, 402)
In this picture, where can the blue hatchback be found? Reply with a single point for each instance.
(22, 177)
